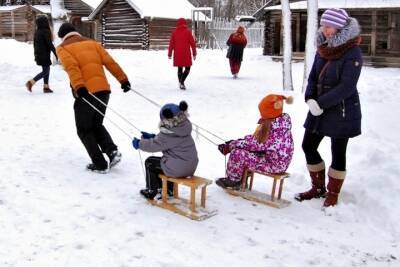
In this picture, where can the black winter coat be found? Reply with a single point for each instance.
(338, 95)
(235, 50)
(42, 42)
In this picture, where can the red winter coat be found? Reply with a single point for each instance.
(181, 41)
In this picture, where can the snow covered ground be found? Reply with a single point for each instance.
(54, 213)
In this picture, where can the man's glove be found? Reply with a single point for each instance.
(126, 86)
(314, 107)
(135, 143)
(146, 135)
(82, 92)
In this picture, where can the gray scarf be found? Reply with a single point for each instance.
(350, 31)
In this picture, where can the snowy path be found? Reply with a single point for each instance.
(54, 213)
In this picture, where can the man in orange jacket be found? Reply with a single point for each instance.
(83, 59)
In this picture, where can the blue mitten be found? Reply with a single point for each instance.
(135, 143)
(146, 135)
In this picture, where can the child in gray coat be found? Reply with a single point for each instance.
(177, 145)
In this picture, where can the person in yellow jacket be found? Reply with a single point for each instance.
(83, 59)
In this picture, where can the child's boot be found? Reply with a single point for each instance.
(336, 179)
(318, 190)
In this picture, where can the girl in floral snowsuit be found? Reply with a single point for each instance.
(268, 150)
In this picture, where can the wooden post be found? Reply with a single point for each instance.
(298, 21)
(176, 190)
(273, 190)
(12, 25)
(373, 33)
(251, 181)
(193, 199)
(203, 196)
(244, 180)
(389, 37)
(164, 190)
(280, 189)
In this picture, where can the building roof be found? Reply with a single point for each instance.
(346, 4)
(169, 9)
(41, 8)
(10, 8)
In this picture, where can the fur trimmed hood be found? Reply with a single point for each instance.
(174, 125)
(349, 32)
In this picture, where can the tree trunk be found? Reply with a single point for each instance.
(312, 27)
(287, 45)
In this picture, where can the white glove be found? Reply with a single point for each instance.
(314, 107)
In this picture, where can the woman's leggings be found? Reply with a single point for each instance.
(44, 74)
(182, 75)
(310, 145)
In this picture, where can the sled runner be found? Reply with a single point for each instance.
(246, 191)
(187, 208)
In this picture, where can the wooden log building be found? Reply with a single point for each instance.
(18, 21)
(17, 17)
(379, 20)
(138, 24)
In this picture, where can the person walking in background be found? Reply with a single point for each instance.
(333, 102)
(237, 42)
(180, 44)
(43, 46)
(83, 59)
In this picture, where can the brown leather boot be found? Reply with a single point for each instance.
(29, 84)
(318, 190)
(336, 179)
(46, 89)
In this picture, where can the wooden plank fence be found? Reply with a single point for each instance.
(221, 28)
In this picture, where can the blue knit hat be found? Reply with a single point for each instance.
(170, 110)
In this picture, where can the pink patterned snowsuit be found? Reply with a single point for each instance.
(273, 156)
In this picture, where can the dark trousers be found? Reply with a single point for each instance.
(44, 74)
(153, 170)
(90, 128)
(310, 145)
(235, 66)
(182, 75)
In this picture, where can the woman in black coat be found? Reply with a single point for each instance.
(333, 101)
(43, 46)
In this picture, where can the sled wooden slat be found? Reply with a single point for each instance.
(247, 191)
(187, 208)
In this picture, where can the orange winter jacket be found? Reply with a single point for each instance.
(83, 60)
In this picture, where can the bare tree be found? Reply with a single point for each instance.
(312, 26)
(287, 46)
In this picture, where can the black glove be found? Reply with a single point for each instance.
(126, 86)
(82, 92)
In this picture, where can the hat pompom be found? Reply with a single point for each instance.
(289, 100)
(183, 105)
(167, 113)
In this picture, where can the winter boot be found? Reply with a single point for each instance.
(317, 174)
(227, 183)
(115, 157)
(92, 167)
(29, 84)
(335, 183)
(149, 193)
(46, 89)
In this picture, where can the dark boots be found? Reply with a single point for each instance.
(335, 183)
(318, 190)
(46, 89)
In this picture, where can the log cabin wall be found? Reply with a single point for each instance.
(160, 31)
(122, 26)
(78, 8)
(18, 24)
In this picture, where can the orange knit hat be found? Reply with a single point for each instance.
(271, 106)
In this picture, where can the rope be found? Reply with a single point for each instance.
(119, 115)
(198, 126)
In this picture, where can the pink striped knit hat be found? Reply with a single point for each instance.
(334, 17)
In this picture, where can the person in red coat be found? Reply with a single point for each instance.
(180, 43)
(237, 42)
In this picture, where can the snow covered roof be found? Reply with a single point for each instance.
(43, 8)
(10, 8)
(346, 4)
(170, 9)
(92, 3)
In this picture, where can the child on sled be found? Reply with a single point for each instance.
(268, 150)
(175, 141)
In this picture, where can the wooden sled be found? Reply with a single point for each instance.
(272, 200)
(187, 208)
